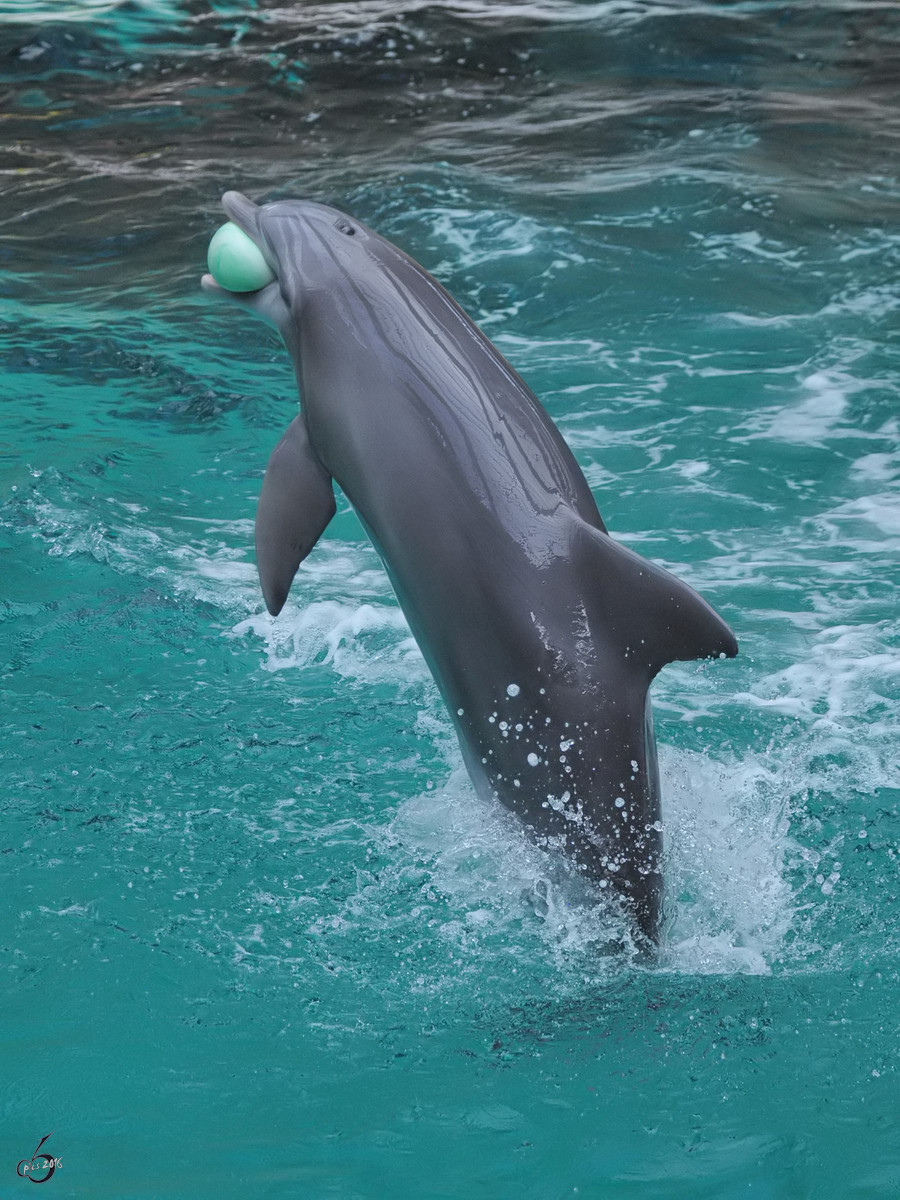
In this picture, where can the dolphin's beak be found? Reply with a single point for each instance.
(208, 284)
(244, 213)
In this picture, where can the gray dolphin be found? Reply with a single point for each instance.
(542, 632)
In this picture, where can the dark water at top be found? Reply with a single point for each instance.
(257, 936)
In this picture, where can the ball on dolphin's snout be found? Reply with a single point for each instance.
(236, 262)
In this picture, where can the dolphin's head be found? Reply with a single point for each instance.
(310, 247)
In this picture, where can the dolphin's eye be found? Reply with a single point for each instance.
(344, 227)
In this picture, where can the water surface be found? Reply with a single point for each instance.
(258, 936)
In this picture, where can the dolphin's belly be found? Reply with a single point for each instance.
(577, 766)
(546, 721)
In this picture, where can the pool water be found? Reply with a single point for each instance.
(258, 937)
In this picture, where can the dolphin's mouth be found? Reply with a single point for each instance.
(267, 303)
(245, 214)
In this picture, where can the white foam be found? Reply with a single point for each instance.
(883, 468)
(823, 413)
(28, 13)
(203, 558)
(841, 679)
(881, 510)
(485, 893)
(690, 468)
(507, 897)
(813, 419)
(358, 640)
(371, 15)
(748, 242)
(729, 901)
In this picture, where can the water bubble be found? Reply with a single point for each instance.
(533, 759)
(513, 689)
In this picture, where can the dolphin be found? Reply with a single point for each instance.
(542, 632)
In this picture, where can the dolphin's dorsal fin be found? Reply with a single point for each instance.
(295, 505)
(655, 617)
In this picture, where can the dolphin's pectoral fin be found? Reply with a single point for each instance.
(657, 617)
(295, 505)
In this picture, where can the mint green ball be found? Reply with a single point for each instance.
(236, 262)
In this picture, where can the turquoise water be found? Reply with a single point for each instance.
(258, 936)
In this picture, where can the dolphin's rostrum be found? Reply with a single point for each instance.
(542, 632)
